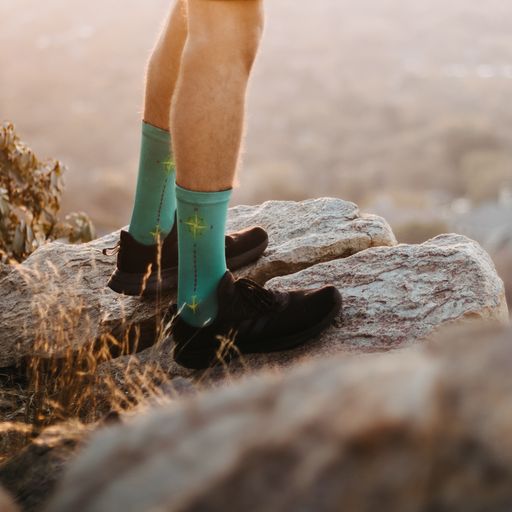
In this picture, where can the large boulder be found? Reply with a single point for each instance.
(393, 297)
(56, 301)
(305, 233)
(424, 428)
(398, 296)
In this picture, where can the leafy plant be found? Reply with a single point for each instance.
(30, 195)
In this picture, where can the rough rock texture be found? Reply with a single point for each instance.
(413, 430)
(305, 441)
(305, 233)
(392, 297)
(56, 299)
(33, 473)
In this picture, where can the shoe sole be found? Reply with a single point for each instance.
(141, 285)
(202, 359)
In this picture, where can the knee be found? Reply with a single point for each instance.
(228, 30)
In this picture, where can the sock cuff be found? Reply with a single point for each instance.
(196, 197)
(155, 133)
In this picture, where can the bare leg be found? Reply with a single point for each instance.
(212, 72)
(207, 118)
(155, 199)
(163, 67)
(207, 114)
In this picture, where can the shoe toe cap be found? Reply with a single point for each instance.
(309, 308)
(324, 301)
(259, 234)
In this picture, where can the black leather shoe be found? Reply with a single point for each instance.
(148, 269)
(252, 319)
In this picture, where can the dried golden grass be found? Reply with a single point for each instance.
(67, 377)
(59, 381)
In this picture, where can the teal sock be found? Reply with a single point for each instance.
(155, 197)
(202, 252)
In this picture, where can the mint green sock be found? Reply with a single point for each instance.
(202, 253)
(155, 197)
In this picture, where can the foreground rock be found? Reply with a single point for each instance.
(6, 503)
(32, 474)
(57, 298)
(418, 429)
(392, 297)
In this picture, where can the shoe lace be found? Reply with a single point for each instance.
(255, 295)
(111, 251)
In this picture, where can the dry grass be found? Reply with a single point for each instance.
(60, 380)
(54, 386)
(72, 373)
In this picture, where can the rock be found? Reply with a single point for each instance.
(4, 269)
(31, 475)
(305, 233)
(397, 296)
(6, 503)
(393, 297)
(424, 428)
(56, 301)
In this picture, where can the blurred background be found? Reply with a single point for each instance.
(402, 106)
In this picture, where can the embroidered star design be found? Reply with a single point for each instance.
(196, 225)
(156, 233)
(168, 165)
(194, 306)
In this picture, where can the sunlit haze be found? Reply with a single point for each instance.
(377, 101)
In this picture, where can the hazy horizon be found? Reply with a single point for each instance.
(367, 97)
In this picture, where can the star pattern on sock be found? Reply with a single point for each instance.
(169, 166)
(157, 233)
(194, 305)
(196, 225)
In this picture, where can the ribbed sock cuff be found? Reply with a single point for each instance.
(196, 197)
(155, 133)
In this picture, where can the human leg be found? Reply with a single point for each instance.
(208, 111)
(164, 66)
(207, 125)
(143, 265)
(155, 201)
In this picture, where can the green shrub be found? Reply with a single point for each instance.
(30, 194)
